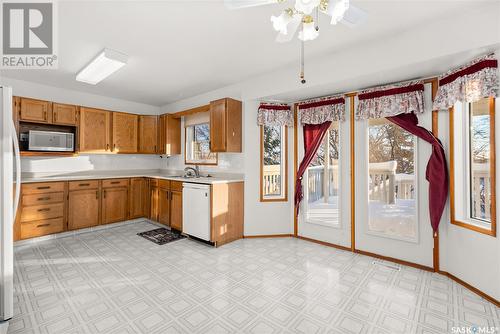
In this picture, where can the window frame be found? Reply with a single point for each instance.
(469, 222)
(284, 148)
(186, 162)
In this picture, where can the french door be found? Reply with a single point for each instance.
(391, 192)
(325, 210)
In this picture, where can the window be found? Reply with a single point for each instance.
(273, 169)
(197, 146)
(391, 181)
(473, 168)
(323, 183)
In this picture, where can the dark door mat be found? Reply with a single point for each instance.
(161, 236)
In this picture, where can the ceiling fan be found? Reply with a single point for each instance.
(305, 14)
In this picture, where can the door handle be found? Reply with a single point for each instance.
(97, 194)
(43, 225)
(84, 184)
(43, 199)
(41, 188)
(43, 210)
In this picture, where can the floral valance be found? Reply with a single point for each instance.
(391, 100)
(468, 83)
(274, 114)
(318, 111)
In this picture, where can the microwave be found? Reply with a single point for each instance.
(51, 141)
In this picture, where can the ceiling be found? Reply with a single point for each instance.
(179, 49)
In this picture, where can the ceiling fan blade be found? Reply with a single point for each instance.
(354, 16)
(240, 4)
(291, 30)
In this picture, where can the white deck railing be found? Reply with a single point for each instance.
(272, 180)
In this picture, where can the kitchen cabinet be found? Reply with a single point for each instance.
(125, 132)
(42, 210)
(64, 114)
(227, 212)
(83, 208)
(114, 201)
(148, 134)
(138, 197)
(35, 110)
(169, 135)
(176, 205)
(164, 206)
(154, 193)
(225, 125)
(94, 130)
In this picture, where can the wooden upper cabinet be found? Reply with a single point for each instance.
(35, 110)
(125, 132)
(169, 135)
(83, 208)
(225, 126)
(138, 194)
(114, 205)
(148, 134)
(64, 114)
(94, 130)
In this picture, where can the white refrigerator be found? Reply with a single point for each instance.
(9, 198)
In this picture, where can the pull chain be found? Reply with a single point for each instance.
(302, 75)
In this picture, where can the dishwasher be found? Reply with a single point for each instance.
(196, 210)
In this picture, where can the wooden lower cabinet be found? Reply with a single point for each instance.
(153, 211)
(176, 210)
(164, 206)
(41, 227)
(138, 198)
(83, 208)
(227, 212)
(114, 205)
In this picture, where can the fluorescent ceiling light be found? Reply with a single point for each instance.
(106, 63)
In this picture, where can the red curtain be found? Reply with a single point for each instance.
(436, 172)
(313, 136)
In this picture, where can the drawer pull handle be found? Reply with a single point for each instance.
(40, 188)
(84, 184)
(43, 199)
(42, 210)
(43, 225)
(115, 182)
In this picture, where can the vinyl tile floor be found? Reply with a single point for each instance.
(113, 281)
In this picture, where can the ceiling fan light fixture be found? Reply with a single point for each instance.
(337, 9)
(306, 6)
(280, 23)
(308, 32)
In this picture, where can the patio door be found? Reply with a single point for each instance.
(325, 209)
(391, 193)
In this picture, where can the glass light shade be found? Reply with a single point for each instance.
(106, 63)
(306, 6)
(280, 23)
(308, 32)
(337, 10)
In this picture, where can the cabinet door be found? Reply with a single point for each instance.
(170, 135)
(137, 199)
(164, 206)
(35, 110)
(218, 126)
(176, 210)
(94, 130)
(148, 134)
(64, 114)
(114, 205)
(153, 215)
(125, 130)
(83, 209)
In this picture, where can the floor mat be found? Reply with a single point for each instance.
(161, 236)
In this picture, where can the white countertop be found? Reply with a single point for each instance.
(157, 174)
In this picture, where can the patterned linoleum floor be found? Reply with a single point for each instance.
(113, 281)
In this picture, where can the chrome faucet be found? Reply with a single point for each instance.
(195, 170)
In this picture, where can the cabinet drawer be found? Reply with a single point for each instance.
(41, 227)
(41, 212)
(38, 199)
(79, 185)
(153, 182)
(176, 186)
(41, 188)
(164, 184)
(115, 183)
